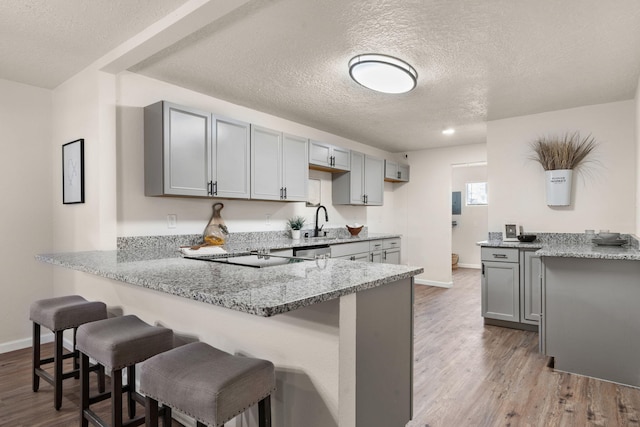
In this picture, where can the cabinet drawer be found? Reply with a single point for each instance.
(391, 243)
(346, 249)
(375, 245)
(500, 254)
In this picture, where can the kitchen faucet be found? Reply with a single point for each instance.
(316, 231)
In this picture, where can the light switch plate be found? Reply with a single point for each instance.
(172, 221)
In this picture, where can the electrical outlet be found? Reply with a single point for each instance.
(172, 221)
(267, 219)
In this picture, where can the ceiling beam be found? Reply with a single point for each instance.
(185, 20)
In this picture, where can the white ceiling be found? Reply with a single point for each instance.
(476, 61)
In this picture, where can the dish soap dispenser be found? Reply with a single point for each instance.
(216, 233)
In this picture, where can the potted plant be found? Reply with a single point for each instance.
(295, 224)
(559, 157)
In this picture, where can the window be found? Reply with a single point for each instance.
(476, 193)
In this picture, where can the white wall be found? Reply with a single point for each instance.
(429, 209)
(603, 198)
(25, 175)
(637, 101)
(472, 223)
(140, 215)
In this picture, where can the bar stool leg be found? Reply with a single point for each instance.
(84, 388)
(166, 416)
(131, 383)
(36, 356)
(151, 408)
(264, 412)
(101, 379)
(116, 398)
(57, 360)
(76, 359)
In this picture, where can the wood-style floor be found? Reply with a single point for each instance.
(466, 374)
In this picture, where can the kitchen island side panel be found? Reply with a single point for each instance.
(591, 317)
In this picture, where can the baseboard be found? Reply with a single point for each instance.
(24, 343)
(476, 266)
(433, 283)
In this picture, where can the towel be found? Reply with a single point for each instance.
(203, 251)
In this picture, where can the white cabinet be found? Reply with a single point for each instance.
(325, 156)
(363, 185)
(395, 172)
(189, 152)
(279, 165)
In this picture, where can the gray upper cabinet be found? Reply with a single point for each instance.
(363, 185)
(177, 143)
(279, 165)
(327, 157)
(395, 172)
(231, 158)
(189, 152)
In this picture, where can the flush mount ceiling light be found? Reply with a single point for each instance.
(383, 73)
(448, 131)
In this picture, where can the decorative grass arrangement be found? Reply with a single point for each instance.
(562, 152)
(296, 223)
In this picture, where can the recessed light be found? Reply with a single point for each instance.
(383, 73)
(449, 131)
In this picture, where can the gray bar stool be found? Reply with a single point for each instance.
(59, 314)
(207, 384)
(117, 343)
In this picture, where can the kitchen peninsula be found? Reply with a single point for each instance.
(589, 317)
(339, 332)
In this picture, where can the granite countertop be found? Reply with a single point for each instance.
(573, 246)
(285, 243)
(259, 291)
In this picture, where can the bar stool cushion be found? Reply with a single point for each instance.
(122, 341)
(206, 383)
(66, 312)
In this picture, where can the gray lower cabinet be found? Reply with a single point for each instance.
(188, 152)
(279, 165)
(391, 251)
(530, 287)
(511, 286)
(500, 290)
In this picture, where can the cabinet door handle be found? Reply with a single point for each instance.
(399, 174)
(384, 255)
(280, 193)
(285, 193)
(353, 258)
(482, 269)
(499, 255)
(209, 188)
(215, 188)
(371, 257)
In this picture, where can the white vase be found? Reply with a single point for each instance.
(295, 234)
(558, 184)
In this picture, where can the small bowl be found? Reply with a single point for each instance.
(609, 236)
(355, 230)
(527, 238)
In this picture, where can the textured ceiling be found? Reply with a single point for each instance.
(44, 42)
(476, 61)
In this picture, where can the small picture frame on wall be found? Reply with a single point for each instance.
(73, 172)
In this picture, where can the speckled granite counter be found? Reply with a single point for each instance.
(260, 291)
(573, 246)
